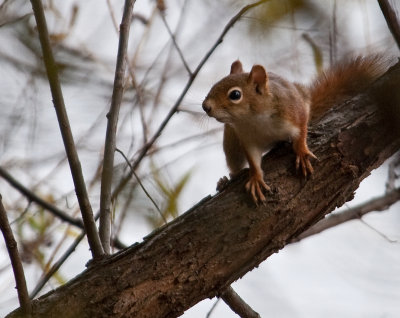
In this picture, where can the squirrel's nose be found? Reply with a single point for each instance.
(207, 108)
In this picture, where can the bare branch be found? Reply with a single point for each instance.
(142, 186)
(178, 49)
(189, 83)
(378, 232)
(16, 264)
(109, 147)
(378, 204)
(56, 266)
(73, 159)
(34, 198)
(238, 305)
(213, 308)
(391, 19)
(135, 85)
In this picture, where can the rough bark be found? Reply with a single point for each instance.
(224, 236)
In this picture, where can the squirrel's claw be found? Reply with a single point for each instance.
(255, 187)
(303, 161)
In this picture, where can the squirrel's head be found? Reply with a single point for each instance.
(238, 94)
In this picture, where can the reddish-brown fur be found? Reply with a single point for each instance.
(344, 80)
(266, 108)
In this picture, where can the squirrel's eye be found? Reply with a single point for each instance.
(235, 95)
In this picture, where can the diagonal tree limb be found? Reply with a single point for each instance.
(16, 264)
(73, 159)
(110, 141)
(199, 254)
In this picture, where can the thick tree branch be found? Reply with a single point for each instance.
(199, 254)
(110, 142)
(16, 264)
(72, 155)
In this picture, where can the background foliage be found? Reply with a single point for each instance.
(295, 38)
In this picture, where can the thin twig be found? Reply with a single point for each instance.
(32, 197)
(142, 186)
(167, 62)
(391, 19)
(238, 305)
(135, 85)
(16, 264)
(189, 83)
(109, 146)
(73, 159)
(378, 204)
(178, 49)
(56, 266)
(23, 214)
(213, 308)
(112, 14)
(123, 211)
(378, 232)
(182, 141)
(47, 206)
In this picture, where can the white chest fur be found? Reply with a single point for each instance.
(262, 130)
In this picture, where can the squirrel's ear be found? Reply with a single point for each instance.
(236, 67)
(258, 76)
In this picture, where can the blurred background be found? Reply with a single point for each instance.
(351, 270)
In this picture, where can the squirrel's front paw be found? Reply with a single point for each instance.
(222, 183)
(255, 187)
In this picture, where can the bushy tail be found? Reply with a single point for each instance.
(343, 81)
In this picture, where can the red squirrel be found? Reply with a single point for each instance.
(259, 109)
